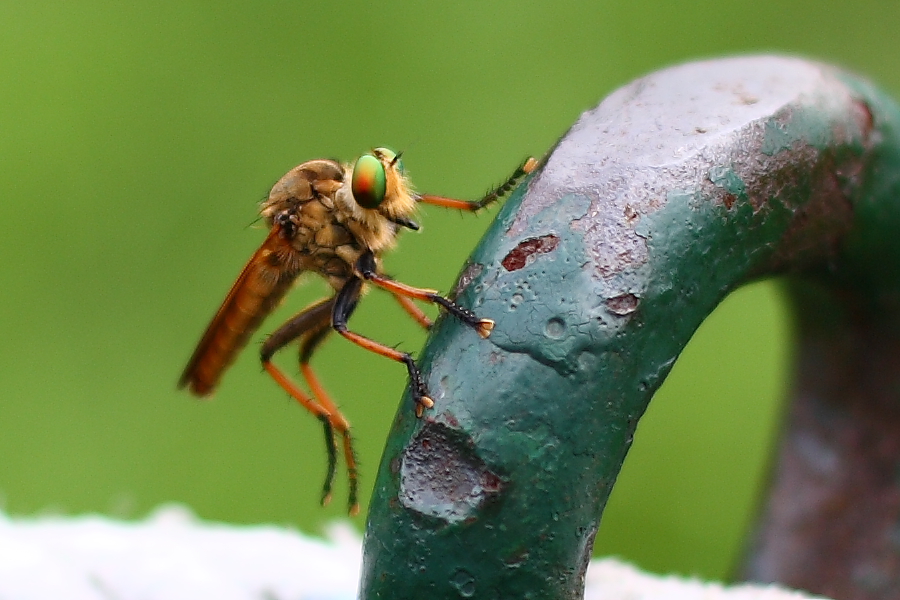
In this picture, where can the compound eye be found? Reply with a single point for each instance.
(369, 182)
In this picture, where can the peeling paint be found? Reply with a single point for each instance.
(441, 475)
(527, 251)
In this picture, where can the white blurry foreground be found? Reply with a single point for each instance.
(172, 555)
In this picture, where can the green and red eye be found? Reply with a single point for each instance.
(369, 182)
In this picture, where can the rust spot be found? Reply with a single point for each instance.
(818, 228)
(522, 254)
(623, 305)
(728, 200)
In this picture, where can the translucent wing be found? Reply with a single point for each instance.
(262, 284)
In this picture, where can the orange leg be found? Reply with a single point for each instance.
(310, 342)
(349, 454)
(482, 326)
(311, 326)
(414, 311)
(524, 169)
(344, 305)
(420, 393)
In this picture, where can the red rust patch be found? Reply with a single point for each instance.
(521, 254)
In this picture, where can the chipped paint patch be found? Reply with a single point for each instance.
(527, 250)
(441, 476)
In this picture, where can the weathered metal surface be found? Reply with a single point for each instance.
(675, 190)
(831, 520)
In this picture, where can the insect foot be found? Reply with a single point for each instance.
(417, 386)
(484, 327)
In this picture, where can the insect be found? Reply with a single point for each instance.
(335, 220)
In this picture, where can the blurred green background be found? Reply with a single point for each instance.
(135, 142)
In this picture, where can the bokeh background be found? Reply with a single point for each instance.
(136, 140)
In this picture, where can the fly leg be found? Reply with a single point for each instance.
(414, 311)
(344, 306)
(311, 326)
(307, 347)
(368, 270)
(498, 192)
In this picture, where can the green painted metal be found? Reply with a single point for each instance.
(674, 191)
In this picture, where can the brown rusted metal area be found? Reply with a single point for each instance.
(820, 226)
(524, 253)
(831, 524)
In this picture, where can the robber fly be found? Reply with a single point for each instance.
(335, 220)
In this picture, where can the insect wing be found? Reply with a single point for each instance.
(262, 284)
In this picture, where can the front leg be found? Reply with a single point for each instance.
(344, 305)
(495, 194)
(368, 270)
